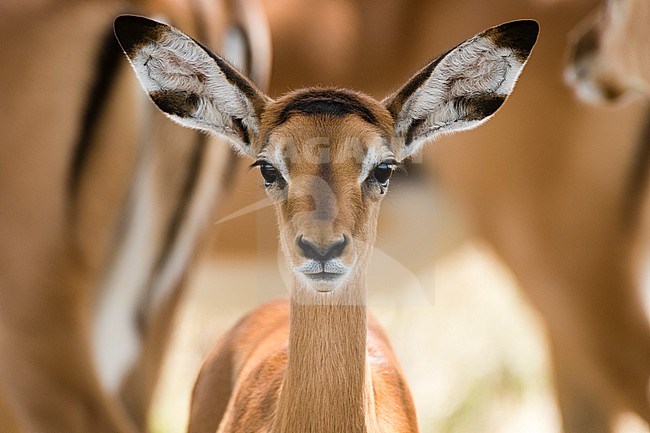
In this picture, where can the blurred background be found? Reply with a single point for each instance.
(511, 262)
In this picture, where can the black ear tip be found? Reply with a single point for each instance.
(520, 35)
(526, 31)
(131, 30)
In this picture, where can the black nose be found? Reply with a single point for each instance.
(322, 254)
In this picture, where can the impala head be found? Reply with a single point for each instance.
(326, 155)
(610, 54)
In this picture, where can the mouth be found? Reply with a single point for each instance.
(324, 276)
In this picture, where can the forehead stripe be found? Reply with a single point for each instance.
(329, 103)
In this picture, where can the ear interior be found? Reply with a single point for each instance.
(190, 84)
(464, 87)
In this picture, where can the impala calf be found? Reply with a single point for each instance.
(317, 364)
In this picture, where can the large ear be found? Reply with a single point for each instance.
(464, 87)
(190, 84)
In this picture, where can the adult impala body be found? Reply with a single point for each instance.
(610, 59)
(102, 208)
(326, 156)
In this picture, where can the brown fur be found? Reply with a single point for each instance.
(255, 352)
(45, 367)
(57, 247)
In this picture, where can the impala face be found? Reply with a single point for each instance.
(610, 54)
(326, 155)
(326, 159)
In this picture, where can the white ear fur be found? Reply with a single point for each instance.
(464, 87)
(191, 85)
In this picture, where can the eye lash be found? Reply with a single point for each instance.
(395, 165)
(400, 167)
(258, 163)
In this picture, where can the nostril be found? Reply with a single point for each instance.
(328, 252)
(336, 249)
(309, 250)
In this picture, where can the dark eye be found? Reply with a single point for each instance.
(382, 173)
(269, 173)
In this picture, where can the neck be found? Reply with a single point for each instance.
(327, 386)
